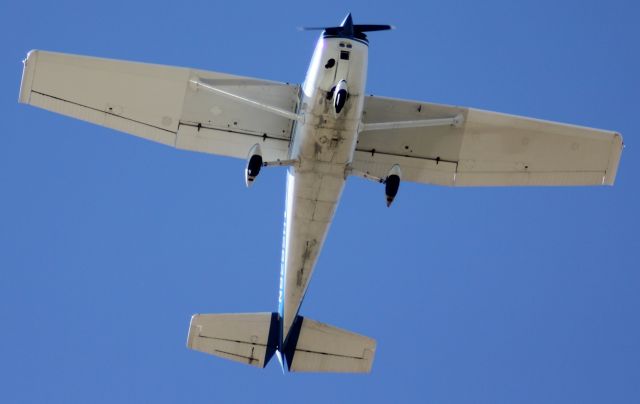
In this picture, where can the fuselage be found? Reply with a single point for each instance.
(324, 146)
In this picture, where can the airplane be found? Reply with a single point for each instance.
(324, 131)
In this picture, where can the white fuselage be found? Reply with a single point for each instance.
(324, 146)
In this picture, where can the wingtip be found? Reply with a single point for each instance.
(32, 52)
(192, 326)
(614, 159)
(28, 71)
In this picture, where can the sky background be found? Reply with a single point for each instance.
(109, 243)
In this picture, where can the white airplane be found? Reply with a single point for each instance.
(325, 130)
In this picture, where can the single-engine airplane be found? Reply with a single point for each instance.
(325, 130)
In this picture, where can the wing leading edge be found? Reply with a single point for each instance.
(162, 103)
(446, 145)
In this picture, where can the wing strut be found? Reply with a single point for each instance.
(453, 121)
(265, 107)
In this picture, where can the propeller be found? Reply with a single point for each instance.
(348, 29)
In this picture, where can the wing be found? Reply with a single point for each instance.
(165, 104)
(445, 145)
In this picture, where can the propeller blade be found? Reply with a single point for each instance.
(311, 28)
(372, 27)
(349, 29)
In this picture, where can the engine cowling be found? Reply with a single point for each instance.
(254, 164)
(392, 183)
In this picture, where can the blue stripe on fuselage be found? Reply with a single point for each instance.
(352, 38)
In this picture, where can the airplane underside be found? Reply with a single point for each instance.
(324, 131)
(321, 151)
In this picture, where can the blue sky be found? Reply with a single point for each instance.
(109, 243)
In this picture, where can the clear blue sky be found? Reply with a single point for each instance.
(109, 243)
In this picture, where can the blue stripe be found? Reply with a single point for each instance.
(364, 41)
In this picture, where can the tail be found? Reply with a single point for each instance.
(253, 338)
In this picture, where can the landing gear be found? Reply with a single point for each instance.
(391, 181)
(254, 164)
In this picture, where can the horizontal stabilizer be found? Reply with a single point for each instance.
(323, 348)
(250, 338)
